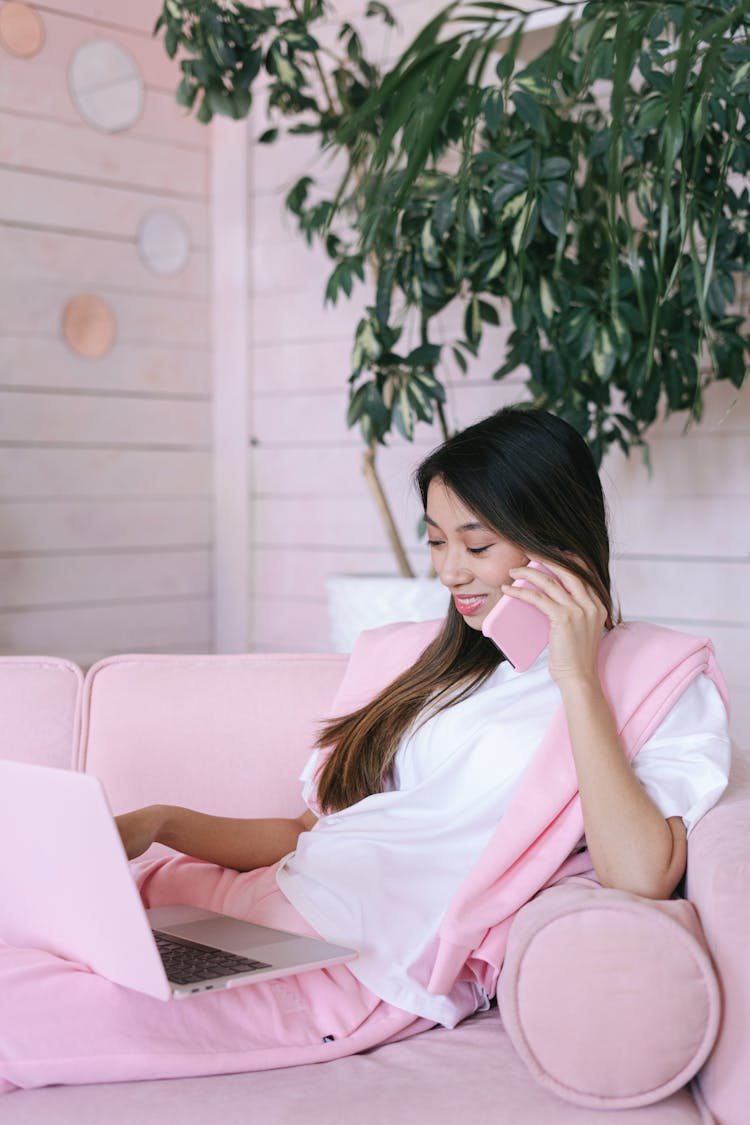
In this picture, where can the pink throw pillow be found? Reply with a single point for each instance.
(610, 999)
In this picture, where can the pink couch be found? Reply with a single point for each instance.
(609, 1004)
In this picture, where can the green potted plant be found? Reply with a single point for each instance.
(601, 198)
(594, 197)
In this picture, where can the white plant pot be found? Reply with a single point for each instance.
(364, 601)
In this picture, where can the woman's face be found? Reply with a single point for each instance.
(471, 559)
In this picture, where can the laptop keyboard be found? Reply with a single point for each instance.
(187, 962)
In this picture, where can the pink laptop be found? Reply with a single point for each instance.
(66, 887)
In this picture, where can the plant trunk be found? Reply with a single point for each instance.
(373, 480)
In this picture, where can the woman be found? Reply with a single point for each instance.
(430, 787)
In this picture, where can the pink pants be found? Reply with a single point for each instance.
(61, 1023)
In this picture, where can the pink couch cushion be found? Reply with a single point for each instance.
(40, 701)
(610, 999)
(717, 882)
(224, 734)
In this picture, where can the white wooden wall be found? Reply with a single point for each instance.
(681, 538)
(107, 500)
(105, 465)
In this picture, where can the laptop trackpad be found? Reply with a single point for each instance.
(229, 933)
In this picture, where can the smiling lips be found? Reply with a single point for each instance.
(469, 604)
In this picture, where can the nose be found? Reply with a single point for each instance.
(451, 568)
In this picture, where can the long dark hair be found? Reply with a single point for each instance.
(532, 478)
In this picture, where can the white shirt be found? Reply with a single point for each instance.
(378, 876)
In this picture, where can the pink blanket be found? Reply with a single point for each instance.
(644, 669)
(61, 1023)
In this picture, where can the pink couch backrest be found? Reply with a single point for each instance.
(40, 704)
(225, 734)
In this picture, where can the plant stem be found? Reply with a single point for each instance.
(371, 476)
(440, 411)
(316, 63)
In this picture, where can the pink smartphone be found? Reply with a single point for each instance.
(519, 630)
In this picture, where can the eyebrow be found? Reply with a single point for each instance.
(473, 526)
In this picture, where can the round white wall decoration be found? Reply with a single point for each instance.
(106, 85)
(163, 242)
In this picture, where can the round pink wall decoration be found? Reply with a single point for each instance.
(88, 326)
(21, 30)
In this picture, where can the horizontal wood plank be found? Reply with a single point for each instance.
(28, 362)
(303, 317)
(301, 418)
(687, 527)
(77, 473)
(283, 367)
(306, 418)
(26, 417)
(288, 626)
(702, 462)
(272, 226)
(40, 200)
(343, 522)
(471, 402)
(73, 150)
(164, 121)
(302, 575)
(57, 580)
(41, 91)
(299, 269)
(66, 30)
(33, 308)
(275, 168)
(726, 410)
(331, 471)
(80, 525)
(136, 15)
(73, 258)
(99, 629)
(684, 588)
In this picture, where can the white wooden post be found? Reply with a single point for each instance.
(230, 373)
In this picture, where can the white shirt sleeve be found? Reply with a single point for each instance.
(684, 766)
(309, 781)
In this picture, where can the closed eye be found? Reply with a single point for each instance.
(478, 550)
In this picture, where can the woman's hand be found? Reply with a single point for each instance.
(139, 829)
(576, 615)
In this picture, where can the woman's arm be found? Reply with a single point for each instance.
(632, 846)
(230, 842)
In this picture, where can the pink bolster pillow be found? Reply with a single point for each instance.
(610, 999)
